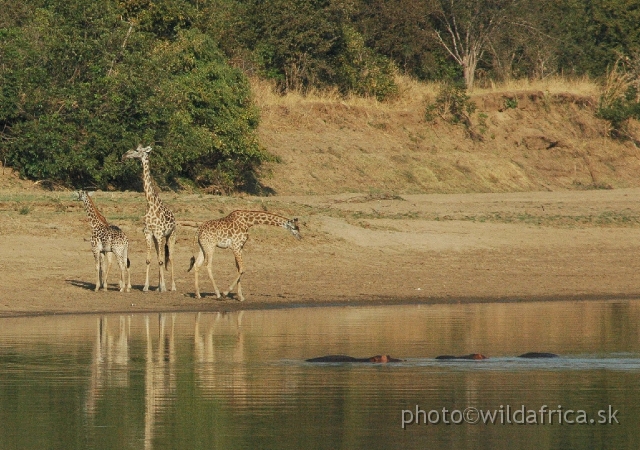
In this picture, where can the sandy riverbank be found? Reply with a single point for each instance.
(357, 249)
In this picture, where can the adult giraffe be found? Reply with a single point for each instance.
(159, 222)
(232, 232)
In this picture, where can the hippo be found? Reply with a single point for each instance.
(344, 358)
(538, 355)
(471, 356)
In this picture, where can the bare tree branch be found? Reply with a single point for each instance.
(466, 29)
(124, 44)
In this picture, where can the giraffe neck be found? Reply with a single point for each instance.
(149, 191)
(251, 218)
(96, 220)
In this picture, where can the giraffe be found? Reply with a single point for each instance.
(159, 222)
(107, 239)
(232, 232)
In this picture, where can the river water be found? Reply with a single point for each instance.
(240, 380)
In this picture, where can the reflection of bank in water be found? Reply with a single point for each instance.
(350, 359)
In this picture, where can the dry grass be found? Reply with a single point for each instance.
(413, 92)
(330, 144)
(265, 94)
(582, 86)
(618, 81)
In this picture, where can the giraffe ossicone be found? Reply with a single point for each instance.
(106, 239)
(159, 222)
(232, 232)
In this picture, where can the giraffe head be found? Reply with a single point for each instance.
(292, 226)
(81, 195)
(95, 217)
(141, 153)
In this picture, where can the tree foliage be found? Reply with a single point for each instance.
(305, 45)
(401, 30)
(444, 39)
(80, 86)
(83, 81)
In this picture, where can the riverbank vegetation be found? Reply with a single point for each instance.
(81, 82)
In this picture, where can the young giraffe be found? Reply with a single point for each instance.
(159, 222)
(232, 232)
(107, 239)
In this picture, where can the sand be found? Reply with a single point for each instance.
(356, 249)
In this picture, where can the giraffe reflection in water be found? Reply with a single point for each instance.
(111, 362)
(207, 355)
(160, 374)
(111, 367)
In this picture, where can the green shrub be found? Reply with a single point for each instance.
(293, 42)
(303, 45)
(362, 71)
(452, 104)
(620, 98)
(620, 110)
(511, 102)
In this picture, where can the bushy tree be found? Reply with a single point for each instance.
(83, 82)
(306, 45)
(362, 71)
(293, 41)
(592, 35)
(206, 115)
(401, 31)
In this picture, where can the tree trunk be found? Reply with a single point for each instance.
(469, 64)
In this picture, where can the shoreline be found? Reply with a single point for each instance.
(227, 306)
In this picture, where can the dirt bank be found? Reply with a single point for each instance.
(530, 140)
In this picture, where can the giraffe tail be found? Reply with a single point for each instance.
(166, 256)
(192, 262)
(128, 263)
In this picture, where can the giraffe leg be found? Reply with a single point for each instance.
(121, 258)
(160, 243)
(149, 238)
(196, 268)
(126, 264)
(171, 244)
(122, 281)
(210, 271)
(240, 296)
(108, 269)
(98, 257)
(240, 267)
